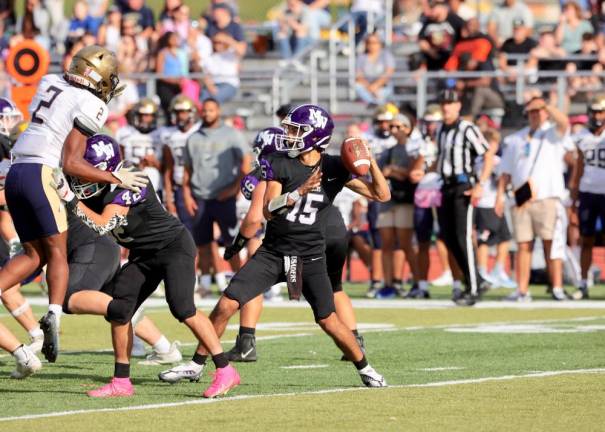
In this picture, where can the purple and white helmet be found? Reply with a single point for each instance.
(102, 152)
(306, 127)
(265, 141)
(10, 116)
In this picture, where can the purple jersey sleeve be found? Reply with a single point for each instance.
(266, 170)
(127, 198)
(249, 183)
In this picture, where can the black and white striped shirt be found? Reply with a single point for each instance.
(459, 144)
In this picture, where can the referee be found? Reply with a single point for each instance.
(459, 143)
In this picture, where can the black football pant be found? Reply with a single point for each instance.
(456, 229)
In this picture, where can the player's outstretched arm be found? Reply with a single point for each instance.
(272, 192)
(376, 190)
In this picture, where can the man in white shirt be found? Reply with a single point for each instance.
(535, 155)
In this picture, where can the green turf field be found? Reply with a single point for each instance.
(496, 368)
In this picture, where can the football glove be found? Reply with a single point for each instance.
(234, 248)
(59, 184)
(130, 179)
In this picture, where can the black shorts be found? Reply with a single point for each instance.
(209, 211)
(491, 229)
(174, 264)
(266, 268)
(591, 208)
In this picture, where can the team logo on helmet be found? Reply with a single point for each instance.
(306, 127)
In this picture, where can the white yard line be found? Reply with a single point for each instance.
(318, 392)
(311, 366)
(440, 369)
(154, 303)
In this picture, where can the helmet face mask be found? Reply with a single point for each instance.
(10, 116)
(306, 127)
(596, 107)
(102, 152)
(145, 116)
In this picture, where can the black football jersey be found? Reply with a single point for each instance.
(300, 230)
(149, 226)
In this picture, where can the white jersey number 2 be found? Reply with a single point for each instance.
(54, 91)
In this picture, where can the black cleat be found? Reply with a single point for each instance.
(362, 346)
(581, 294)
(244, 349)
(417, 293)
(465, 299)
(50, 327)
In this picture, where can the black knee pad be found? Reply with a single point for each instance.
(120, 311)
(182, 310)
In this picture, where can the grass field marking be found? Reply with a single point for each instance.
(311, 366)
(545, 374)
(441, 369)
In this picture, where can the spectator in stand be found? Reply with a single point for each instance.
(396, 218)
(492, 230)
(374, 70)
(132, 29)
(222, 68)
(120, 105)
(231, 5)
(546, 56)
(462, 9)
(439, 34)
(406, 20)
(577, 83)
(320, 16)
(519, 44)
(478, 45)
(128, 52)
(533, 161)
(481, 93)
(110, 30)
(180, 23)
(36, 19)
(170, 6)
(173, 64)
(293, 31)
(8, 15)
(97, 9)
(363, 12)
(216, 159)
(199, 47)
(81, 22)
(144, 15)
(500, 24)
(571, 28)
(221, 20)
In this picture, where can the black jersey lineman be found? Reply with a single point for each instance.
(299, 233)
(160, 249)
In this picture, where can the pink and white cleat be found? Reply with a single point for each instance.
(117, 387)
(224, 380)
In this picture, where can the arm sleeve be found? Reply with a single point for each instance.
(474, 136)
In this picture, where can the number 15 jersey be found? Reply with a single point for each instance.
(56, 109)
(299, 231)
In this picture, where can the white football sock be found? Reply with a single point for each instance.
(162, 346)
(57, 310)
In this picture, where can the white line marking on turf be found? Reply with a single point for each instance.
(318, 392)
(317, 366)
(439, 369)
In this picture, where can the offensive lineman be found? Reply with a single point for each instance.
(64, 112)
(294, 245)
(160, 249)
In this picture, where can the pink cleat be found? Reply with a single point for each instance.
(117, 387)
(224, 380)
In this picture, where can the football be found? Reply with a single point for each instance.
(355, 156)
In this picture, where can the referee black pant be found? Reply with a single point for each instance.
(456, 229)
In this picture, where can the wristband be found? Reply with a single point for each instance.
(278, 203)
(240, 241)
(294, 196)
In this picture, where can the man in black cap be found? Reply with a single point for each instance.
(459, 143)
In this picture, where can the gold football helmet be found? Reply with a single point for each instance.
(597, 105)
(96, 68)
(182, 103)
(140, 120)
(433, 113)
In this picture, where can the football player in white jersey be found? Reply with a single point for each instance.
(64, 112)
(587, 185)
(185, 121)
(139, 140)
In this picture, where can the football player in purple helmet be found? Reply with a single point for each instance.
(293, 248)
(10, 116)
(161, 249)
